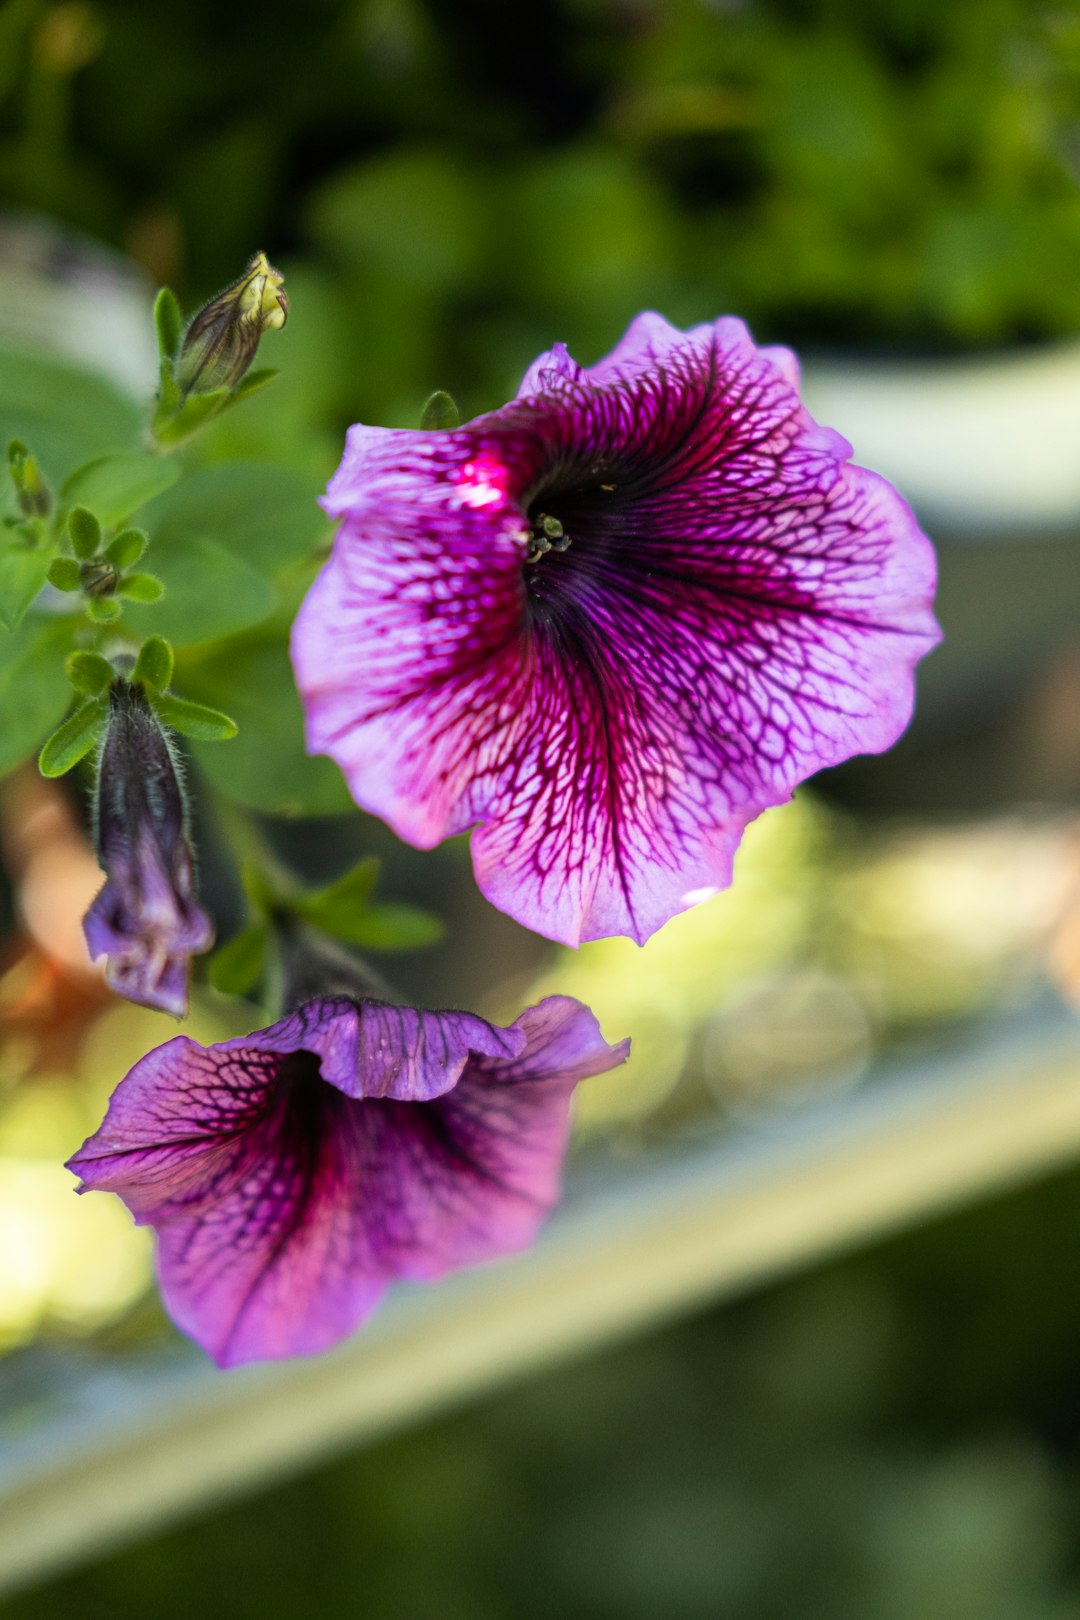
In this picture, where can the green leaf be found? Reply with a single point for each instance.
(194, 720)
(22, 574)
(141, 588)
(209, 593)
(343, 900)
(67, 413)
(174, 427)
(168, 323)
(89, 673)
(116, 486)
(168, 400)
(254, 383)
(238, 966)
(345, 909)
(154, 665)
(34, 695)
(63, 572)
(85, 532)
(127, 548)
(74, 739)
(440, 411)
(103, 609)
(267, 767)
(385, 926)
(264, 513)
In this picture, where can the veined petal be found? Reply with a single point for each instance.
(289, 1184)
(730, 607)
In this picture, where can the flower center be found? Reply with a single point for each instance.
(546, 534)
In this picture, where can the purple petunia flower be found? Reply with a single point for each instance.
(146, 919)
(611, 623)
(293, 1173)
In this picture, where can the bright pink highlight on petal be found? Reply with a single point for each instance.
(668, 599)
(293, 1174)
(481, 483)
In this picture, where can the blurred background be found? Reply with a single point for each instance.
(892, 187)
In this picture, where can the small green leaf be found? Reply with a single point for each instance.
(89, 673)
(74, 739)
(141, 588)
(126, 549)
(64, 574)
(154, 665)
(103, 609)
(254, 383)
(116, 486)
(238, 966)
(168, 395)
(194, 719)
(385, 926)
(34, 696)
(22, 574)
(168, 323)
(440, 411)
(171, 428)
(85, 532)
(342, 900)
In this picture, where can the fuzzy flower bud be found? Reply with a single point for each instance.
(146, 919)
(221, 341)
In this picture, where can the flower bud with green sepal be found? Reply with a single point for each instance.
(209, 370)
(100, 570)
(32, 494)
(221, 340)
(146, 921)
(93, 676)
(25, 547)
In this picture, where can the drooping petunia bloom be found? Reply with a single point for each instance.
(146, 919)
(611, 623)
(294, 1173)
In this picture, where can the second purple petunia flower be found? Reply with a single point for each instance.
(610, 623)
(292, 1174)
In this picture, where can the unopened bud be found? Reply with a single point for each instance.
(221, 341)
(31, 491)
(146, 920)
(98, 577)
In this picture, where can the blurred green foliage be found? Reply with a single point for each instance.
(888, 172)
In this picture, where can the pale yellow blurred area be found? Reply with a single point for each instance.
(73, 1264)
(831, 946)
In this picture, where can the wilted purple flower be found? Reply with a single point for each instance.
(292, 1174)
(146, 919)
(611, 623)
